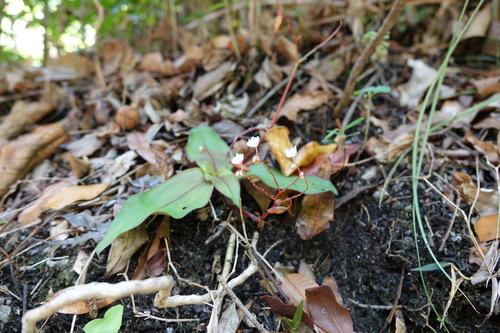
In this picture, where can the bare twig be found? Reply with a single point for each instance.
(389, 21)
(91, 290)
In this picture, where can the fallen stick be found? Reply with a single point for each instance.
(90, 290)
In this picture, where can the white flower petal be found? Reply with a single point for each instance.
(291, 152)
(253, 142)
(237, 159)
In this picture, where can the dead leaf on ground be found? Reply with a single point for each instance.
(487, 228)
(326, 312)
(84, 306)
(421, 78)
(117, 56)
(22, 115)
(269, 73)
(286, 48)
(480, 23)
(229, 320)
(317, 209)
(307, 102)
(123, 247)
(487, 148)
(208, 84)
(154, 62)
(339, 159)
(137, 141)
(20, 156)
(488, 86)
(286, 310)
(278, 140)
(70, 66)
(295, 285)
(487, 199)
(32, 213)
(72, 194)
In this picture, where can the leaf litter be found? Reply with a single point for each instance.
(100, 160)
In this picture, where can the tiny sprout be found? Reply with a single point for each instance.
(253, 142)
(291, 152)
(237, 159)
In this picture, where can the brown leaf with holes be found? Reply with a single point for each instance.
(19, 157)
(487, 199)
(326, 312)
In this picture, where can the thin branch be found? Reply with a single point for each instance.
(389, 22)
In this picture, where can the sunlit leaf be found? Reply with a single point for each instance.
(207, 149)
(176, 197)
(227, 184)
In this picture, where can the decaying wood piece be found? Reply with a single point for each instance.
(19, 157)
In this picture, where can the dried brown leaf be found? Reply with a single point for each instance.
(286, 48)
(22, 115)
(326, 312)
(72, 194)
(20, 156)
(286, 310)
(124, 247)
(487, 228)
(307, 101)
(207, 84)
(295, 285)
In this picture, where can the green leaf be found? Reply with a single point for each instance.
(109, 324)
(297, 317)
(431, 267)
(227, 184)
(373, 90)
(208, 150)
(176, 197)
(316, 184)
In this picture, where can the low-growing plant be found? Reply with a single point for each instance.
(294, 324)
(192, 188)
(110, 323)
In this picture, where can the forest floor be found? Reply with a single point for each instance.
(127, 133)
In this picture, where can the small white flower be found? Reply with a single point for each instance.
(291, 152)
(253, 142)
(237, 159)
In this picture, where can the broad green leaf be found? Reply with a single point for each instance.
(208, 150)
(316, 184)
(176, 197)
(227, 184)
(109, 324)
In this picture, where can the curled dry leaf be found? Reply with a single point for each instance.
(153, 62)
(286, 48)
(308, 101)
(278, 141)
(487, 148)
(20, 156)
(22, 115)
(210, 82)
(268, 74)
(421, 78)
(138, 142)
(295, 285)
(72, 194)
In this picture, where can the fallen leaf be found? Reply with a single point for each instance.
(308, 101)
(295, 285)
(229, 320)
(269, 74)
(286, 48)
(487, 228)
(339, 158)
(72, 194)
(317, 210)
(138, 142)
(479, 24)
(286, 310)
(208, 84)
(32, 213)
(20, 156)
(22, 115)
(123, 247)
(82, 306)
(326, 312)
(487, 199)
(278, 140)
(487, 86)
(421, 78)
